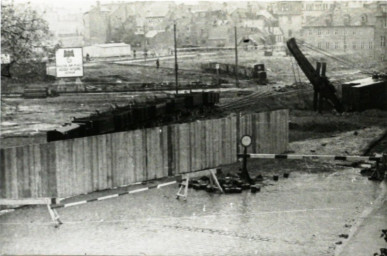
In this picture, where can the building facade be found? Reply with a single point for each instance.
(345, 30)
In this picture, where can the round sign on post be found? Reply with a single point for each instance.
(246, 140)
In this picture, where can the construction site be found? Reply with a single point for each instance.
(205, 151)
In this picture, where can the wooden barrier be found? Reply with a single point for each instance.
(78, 166)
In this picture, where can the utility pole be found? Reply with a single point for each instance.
(236, 58)
(144, 47)
(176, 67)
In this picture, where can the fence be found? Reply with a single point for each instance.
(73, 167)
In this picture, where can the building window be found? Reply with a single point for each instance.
(354, 32)
(319, 45)
(370, 45)
(328, 31)
(336, 45)
(345, 45)
(327, 45)
(385, 23)
(362, 45)
(347, 20)
(319, 32)
(336, 32)
(383, 41)
(310, 32)
(364, 19)
(354, 45)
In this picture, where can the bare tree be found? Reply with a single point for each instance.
(24, 34)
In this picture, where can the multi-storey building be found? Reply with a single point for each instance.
(345, 30)
(289, 17)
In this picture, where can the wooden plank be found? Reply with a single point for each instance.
(116, 147)
(33, 172)
(102, 165)
(27, 172)
(195, 146)
(59, 163)
(254, 132)
(171, 151)
(164, 150)
(70, 168)
(87, 164)
(76, 168)
(44, 175)
(20, 174)
(203, 144)
(144, 156)
(130, 169)
(286, 129)
(94, 162)
(3, 183)
(176, 153)
(139, 156)
(183, 153)
(217, 129)
(151, 154)
(38, 169)
(233, 139)
(121, 163)
(8, 171)
(109, 160)
(51, 170)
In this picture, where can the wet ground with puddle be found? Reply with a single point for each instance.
(301, 215)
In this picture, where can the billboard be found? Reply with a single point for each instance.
(69, 62)
(5, 58)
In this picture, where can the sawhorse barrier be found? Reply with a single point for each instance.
(380, 159)
(36, 201)
(184, 186)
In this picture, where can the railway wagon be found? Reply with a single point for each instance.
(88, 125)
(192, 100)
(210, 99)
(104, 123)
(68, 131)
(141, 115)
(122, 119)
(365, 94)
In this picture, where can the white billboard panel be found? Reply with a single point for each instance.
(69, 62)
(5, 58)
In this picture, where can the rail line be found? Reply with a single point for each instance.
(251, 99)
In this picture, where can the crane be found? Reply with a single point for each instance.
(323, 88)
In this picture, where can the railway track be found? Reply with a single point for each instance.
(250, 100)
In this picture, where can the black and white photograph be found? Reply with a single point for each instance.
(185, 128)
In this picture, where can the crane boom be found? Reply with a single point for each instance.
(321, 84)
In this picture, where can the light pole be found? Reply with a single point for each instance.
(236, 58)
(176, 66)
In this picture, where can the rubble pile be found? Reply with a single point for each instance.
(230, 183)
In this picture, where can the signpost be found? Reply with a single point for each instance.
(246, 142)
(69, 62)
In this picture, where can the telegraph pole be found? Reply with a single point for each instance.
(236, 58)
(144, 47)
(176, 67)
